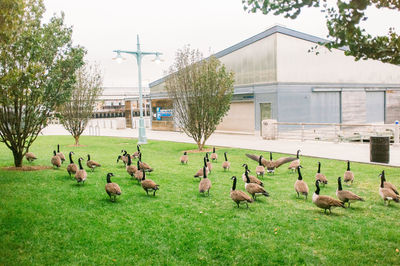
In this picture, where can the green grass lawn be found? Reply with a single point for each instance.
(46, 218)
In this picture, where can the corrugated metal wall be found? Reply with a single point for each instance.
(392, 106)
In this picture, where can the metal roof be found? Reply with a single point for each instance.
(255, 38)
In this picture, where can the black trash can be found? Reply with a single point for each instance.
(379, 149)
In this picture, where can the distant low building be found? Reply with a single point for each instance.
(276, 77)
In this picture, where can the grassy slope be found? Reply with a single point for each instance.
(46, 218)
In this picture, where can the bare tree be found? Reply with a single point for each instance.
(201, 91)
(75, 114)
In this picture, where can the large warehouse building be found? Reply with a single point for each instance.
(276, 77)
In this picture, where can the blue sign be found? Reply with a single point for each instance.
(163, 113)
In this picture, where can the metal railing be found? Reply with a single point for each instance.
(333, 132)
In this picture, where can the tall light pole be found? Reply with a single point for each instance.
(139, 55)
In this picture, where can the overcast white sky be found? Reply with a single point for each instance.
(102, 26)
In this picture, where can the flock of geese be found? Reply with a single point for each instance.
(253, 185)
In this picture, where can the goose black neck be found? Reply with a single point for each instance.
(319, 168)
(140, 156)
(58, 147)
(108, 178)
(138, 148)
(205, 162)
(125, 152)
(54, 152)
(70, 158)
(247, 177)
(226, 158)
(185, 153)
(138, 165)
(348, 165)
(298, 154)
(234, 184)
(213, 149)
(80, 164)
(204, 172)
(317, 190)
(270, 156)
(88, 157)
(259, 160)
(339, 184)
(382, 181)
(129, 160)
(144, 174)
(300, 176)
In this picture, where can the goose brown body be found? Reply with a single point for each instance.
(205, 183)
(226, 164)
(112, 189)
(60, 154)
(71, 168)
(214, 155)
(55, 160)
(254, 189)
(123, 157)
(144, 166)
(387, 194)
(296, 163)
(348, 176)
(209, 164)
(239, 196)
(199, 173)
(149, 185)
(321, 177)
(253, 179)
(325, 202)
(271, 164)
(345, 195)
(92, 164)
(130, 169)
(30, 157)
(136, 154)
(184, 158)
(81, 174)
(300, 186)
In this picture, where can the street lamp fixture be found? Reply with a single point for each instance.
(139, 55)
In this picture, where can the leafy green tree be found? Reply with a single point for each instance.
(37, 66)
(75, 114)
(201, 91)
(343, 23)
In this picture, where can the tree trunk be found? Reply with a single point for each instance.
(18, 158)
(76, 140)
(199, 145)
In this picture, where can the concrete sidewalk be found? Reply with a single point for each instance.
(356, 152)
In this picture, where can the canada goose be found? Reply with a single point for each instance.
(325, 202)
(71, 168)
(92, 164)
(226, 164)
(239, 196)
(253, 179)
(81, 174)
(144, 165)
(60, 154)
(260, 170)
(389, 185)
(55, 160)
(254, 189)
(214, 156)
(387, 194)
(321, 177)
(139, 173)
(200, 171)
(148, 184)
(300, 186)
(112, 189)
(123, 157)
(205, 183)
(295, 164)
(348, 175)
(30, 157)
(345, 195)
(184, 158)
(271, 164)
(131, 169)
(135, 155)
(209, 164)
